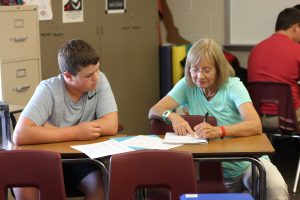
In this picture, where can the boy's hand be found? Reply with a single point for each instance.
(88, 130)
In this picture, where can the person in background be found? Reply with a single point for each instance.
(235, 63)
(209, 87)
(277, 59)
(78, 104)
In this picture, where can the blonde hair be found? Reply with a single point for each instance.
(208, 48)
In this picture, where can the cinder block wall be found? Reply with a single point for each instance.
(201, 18)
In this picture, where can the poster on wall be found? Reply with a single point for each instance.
(115, 6)
(44, 8)
(72, 11)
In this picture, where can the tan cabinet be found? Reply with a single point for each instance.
(128, 47)
(19, 53)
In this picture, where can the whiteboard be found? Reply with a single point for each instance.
(250, 21)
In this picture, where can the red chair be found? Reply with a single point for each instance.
(32, 168)
(280, 95)
(210, 178)
(135, 170)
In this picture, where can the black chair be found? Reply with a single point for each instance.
(210, 178)
(278, 94)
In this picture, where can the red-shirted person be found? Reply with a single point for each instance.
(277, 58)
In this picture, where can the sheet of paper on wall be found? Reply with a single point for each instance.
(172, 138)
(147, 142)
(44, 8)
(115, 6)
(102, 149)
(72, 11)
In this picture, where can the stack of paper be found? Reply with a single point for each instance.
(147, 142)
(172, 138)
(123, 144)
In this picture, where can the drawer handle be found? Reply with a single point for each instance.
(136, 27)
(58, 34)
(22, 88)
(126, 27)
(45, 34)
(20, 38)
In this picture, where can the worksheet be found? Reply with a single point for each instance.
(172, 138)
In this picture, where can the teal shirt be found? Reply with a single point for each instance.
(223, 106)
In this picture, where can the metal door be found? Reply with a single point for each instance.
(129, 58)
(54, 33)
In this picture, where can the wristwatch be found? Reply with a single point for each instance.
(165, 116)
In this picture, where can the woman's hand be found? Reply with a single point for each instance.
(180, 126)
(207, 131)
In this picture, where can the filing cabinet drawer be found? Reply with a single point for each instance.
(19, 80)
(19, 34)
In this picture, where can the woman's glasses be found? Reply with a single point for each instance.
(204, 70)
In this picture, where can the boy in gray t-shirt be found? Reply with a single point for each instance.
(78, 104)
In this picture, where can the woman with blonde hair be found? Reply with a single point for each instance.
(210, 88)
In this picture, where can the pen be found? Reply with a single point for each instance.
(205, 117)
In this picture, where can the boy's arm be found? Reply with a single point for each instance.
(108, 123)
(27, 132)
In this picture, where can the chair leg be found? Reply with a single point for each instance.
(297, 177)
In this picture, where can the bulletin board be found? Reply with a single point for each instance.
(248, 22)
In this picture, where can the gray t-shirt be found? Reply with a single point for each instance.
(51, 102)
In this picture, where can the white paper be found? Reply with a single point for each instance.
(44, 8)
(147, 142)
(102, 149)
(172, 138)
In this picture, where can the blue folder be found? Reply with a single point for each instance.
(120, 139)
(225, 196)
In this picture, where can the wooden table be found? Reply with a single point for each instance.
(228, 149)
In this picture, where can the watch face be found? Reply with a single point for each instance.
(166, 114)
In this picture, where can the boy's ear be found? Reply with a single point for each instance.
(68, 75)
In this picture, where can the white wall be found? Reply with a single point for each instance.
(201, 18)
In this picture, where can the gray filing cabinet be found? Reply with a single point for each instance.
(20, 70)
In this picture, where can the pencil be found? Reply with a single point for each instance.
(205, 117)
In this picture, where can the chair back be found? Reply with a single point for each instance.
(120, 127)
(210, 174)
(279, 94)
(149, 169)
(32, 168)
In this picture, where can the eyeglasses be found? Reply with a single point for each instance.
(204, 70)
